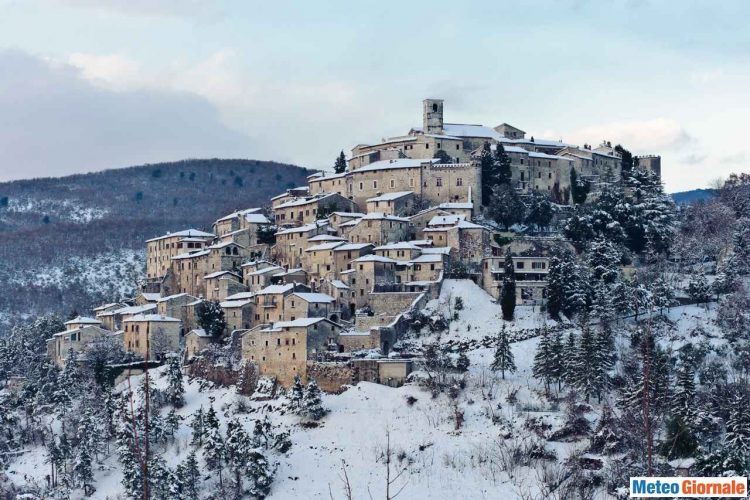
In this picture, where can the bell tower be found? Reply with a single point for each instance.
(432, 116)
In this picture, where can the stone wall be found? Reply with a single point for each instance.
(392, 303)
(331, 377)
(244, 376)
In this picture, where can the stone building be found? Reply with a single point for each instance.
(376, 228)
(239, 311)
(400, 203)
(291, 242)
(176, 306)
(343, 255)
(307, 305)
(151, 336)
(195, 341)
(222, 284)
(112, 320)
(78, 334)
(300, 211)
(282, 350)
(161, 250)
(257, 275)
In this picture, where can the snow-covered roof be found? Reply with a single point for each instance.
(238, 213)
(152, 317)
(171, 297)
(324, 246)
(464, 224)
(427, 258)
(536, 142)
(241, 296)
(304, 228)
(314, 297)
(257, 219)
(445, 220)
(274, 289)
(301, 322)
(266, 270)
(352, 246)
(339, 284)
(107, 306)
(304, 201)
(150, 296)
(191, 255)
(228, 304)
(383, 216)
(422, 243)
(471, 130)
(325, 237)
(398, 163)
(534, 154)
(457, 205)
(682, 463)
(219, 273)
(391, 196)
(224, 244)
(83, 320)
(132, 309)
(84, 328)
(186, 233)
(349, 214)
(375, 258)
(321, 177)
(200, 332)
(401, 245)
(436, 250)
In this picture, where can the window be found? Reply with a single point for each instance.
(549, 175)
(411, 182)
(519, 265)
(361, 186)
(393, 183)
(427, 146)
(539, 175)
(459, 182)
(439, 181)
(458, 146)
(374, 184)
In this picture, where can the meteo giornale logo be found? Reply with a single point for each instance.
(688, 487)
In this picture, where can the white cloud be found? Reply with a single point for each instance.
(639, 136)
(64, 124)
(113, 71)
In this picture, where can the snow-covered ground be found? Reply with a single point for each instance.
(439, 460)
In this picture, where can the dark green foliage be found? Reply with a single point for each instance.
(210, 317)
(444, 157)
(505, 206)
(504, 360)
(508, 294)
(339, 166)
(539, 211)
(579, 188)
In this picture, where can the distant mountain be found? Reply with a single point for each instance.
(66, 243)
(687, 197)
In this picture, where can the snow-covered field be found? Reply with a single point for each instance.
(439, 459)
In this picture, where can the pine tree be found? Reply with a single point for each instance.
(683, 398)
(737, 438)
(539, 211)
(504, 360)
(197, 425)
(579, 188)
(175, 392)
(698, 288)
(213, 451)
(570, 353)
(508, 298)
(604, 260)
(557, 359)
(210, 317)
(587, 369)
(487, 167)
(741, 246)
(312, 403)
(237, 452)
(663, 294)
(502, 166)
(543, 368)
(260, 474)
(296, 394)
(82, 468)
(603, 360)
(462, 362)
(339, 166)
(189, 477)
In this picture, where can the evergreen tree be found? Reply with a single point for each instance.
(213, 450)
(603, 360)
(603, 260)
(683, 398)
(312, 403)
(741, 245)
(339, 166)
(189, 477)
(539, 211)
(698, 288)
(462, 362)
(504, 360)
(502, 166)
(586, 364)
(296, 394)
(487, 168)
(197, 425)
(737, 438)
(210, 317)
(508, 297)
(557, 359)
(579, 188)
(663, 294)
(82, 468)
(680, 440)
(237, 451)
(260, 473)
(175, 392)
(570, 353)
(505, 206)
(543, 367)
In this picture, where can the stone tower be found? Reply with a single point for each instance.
(432, 116)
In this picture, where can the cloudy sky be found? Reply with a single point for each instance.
(92, 84)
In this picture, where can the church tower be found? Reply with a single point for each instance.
(432, 116)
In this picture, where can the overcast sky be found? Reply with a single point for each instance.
(92, 84)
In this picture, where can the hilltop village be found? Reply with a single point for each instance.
(330, 271)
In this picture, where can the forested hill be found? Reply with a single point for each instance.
(67, 241)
